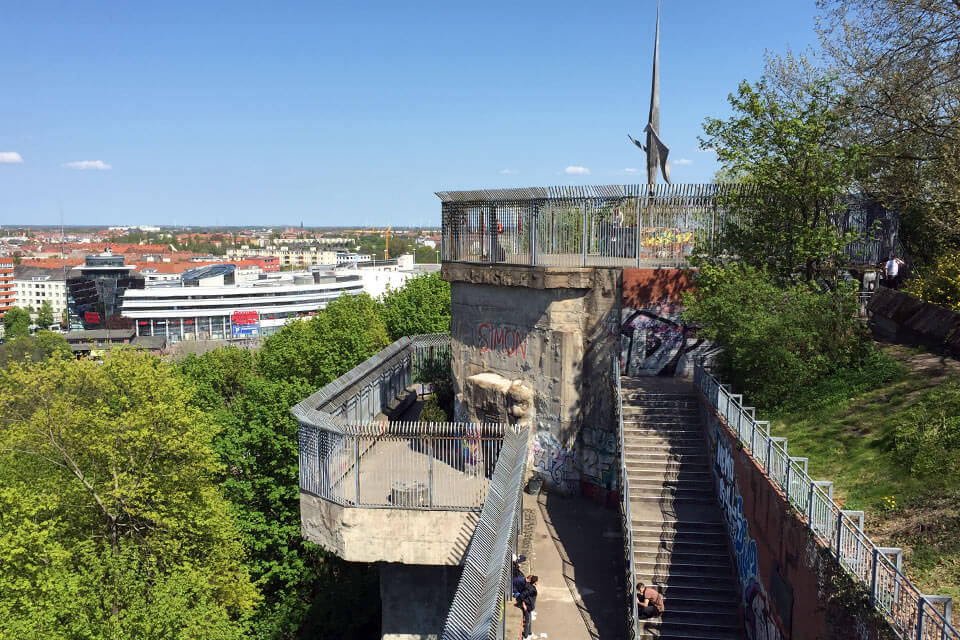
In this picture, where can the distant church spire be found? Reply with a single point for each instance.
(656, 151)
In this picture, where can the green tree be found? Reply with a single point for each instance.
(422, 306)
(898, 64)
(304, 588)
(319, 350)
(776, 339)
(45, 315)
(786, 153)
(16, 323)
(40, 346)
(112, 523)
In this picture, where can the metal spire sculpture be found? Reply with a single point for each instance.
(655, 149)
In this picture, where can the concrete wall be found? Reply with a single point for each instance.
(415, 600)
(410, 536)
(554, 330)
(654, 339)
(791, 588)
(896, 316)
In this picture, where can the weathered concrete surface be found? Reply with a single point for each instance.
(896, 316)
(409, 536)
(415, 599)
(553, 329)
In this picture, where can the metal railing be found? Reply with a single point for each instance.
(478, 610)
(624, 225)
(409, 465)
(367, 390)
(626, 518)
(350, 457)
(612, 225)
(912, 615)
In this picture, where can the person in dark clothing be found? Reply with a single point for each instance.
(527, 600)
(519, 581)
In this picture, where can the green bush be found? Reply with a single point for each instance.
(941, 284)
(777, 340)
(928, 437)
(433, 412)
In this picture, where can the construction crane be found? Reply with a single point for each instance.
(386, 237)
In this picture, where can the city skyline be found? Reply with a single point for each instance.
(183, 115)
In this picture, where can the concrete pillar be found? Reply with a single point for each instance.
(415, 600)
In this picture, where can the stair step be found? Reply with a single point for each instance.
(682, 545)
(670, 558)
(679, 478)
(695, 627)
(711, 538)
(660, 456)
(654, 439)
(671, 578)
(639, 447)
(637, 466)
(680, 566)
(680, 525)
(668, 484)
(671, 499)
(704, 592)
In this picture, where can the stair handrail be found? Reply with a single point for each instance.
(626, 518)
(910, 613)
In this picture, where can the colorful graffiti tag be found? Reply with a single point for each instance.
(555, 463)
(760, 622)
(598, 456)
(655, 342)
(502, 338)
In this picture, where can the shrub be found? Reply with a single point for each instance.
(940, 285)
(776, 340)
(928, 436)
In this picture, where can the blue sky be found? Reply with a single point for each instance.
(351, 113)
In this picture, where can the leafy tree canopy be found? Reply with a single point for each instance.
(112, 523)
(16, 323)
(785, 151)
(421, 306)
(45, 315)
(319, 350)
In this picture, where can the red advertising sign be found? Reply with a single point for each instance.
(245, 317)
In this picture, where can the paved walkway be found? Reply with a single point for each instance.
(577, 553)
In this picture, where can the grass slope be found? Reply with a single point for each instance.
(846, 428)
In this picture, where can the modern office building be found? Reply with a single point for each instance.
(208, 303)
(95, 289)
(36, 285)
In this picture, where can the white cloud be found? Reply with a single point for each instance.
(506, 172)
(576, 171)
(683, 161)
(83, 165)
(10, 157)
(631, 170)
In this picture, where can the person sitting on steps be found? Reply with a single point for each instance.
(649, 601)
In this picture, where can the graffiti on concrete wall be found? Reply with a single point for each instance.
(656, 342)
(502, 338)
(555, 463)
(760, 621)
(599, 456)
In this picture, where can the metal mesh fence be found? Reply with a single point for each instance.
(621, 225)
(479, 603)
(911, 614)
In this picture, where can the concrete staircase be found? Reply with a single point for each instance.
(680, 542)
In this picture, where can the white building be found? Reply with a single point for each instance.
(35, 285)
(225, 311)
